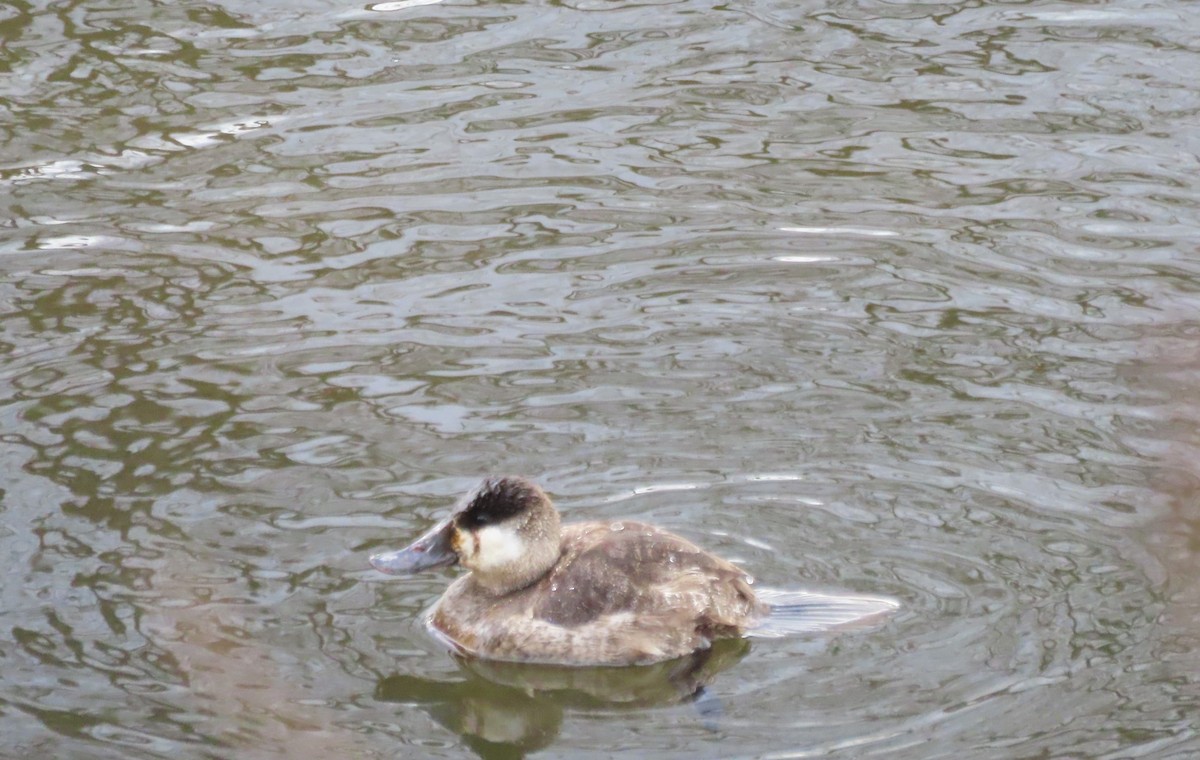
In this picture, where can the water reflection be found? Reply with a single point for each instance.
(509, 709)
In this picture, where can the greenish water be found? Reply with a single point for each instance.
(886, 298)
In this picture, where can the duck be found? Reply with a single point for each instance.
(608, 593)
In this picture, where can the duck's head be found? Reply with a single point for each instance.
(506, 532)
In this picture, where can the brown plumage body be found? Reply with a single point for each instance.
(620, 593)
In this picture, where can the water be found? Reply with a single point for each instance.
(882, 298)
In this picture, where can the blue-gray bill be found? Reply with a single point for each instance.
(432, 550)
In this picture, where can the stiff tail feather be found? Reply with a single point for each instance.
(793, 612)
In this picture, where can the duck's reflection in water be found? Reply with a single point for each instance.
(509, 709)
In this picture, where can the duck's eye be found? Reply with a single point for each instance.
(478, 519)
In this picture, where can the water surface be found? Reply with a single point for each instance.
(883, 298)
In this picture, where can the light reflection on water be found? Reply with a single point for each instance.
(888, 299)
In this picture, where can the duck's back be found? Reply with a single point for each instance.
(621, 593)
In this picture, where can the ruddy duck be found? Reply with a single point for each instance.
(595, 593)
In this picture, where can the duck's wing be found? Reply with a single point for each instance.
(660, 578)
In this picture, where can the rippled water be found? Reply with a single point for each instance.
(889, 298)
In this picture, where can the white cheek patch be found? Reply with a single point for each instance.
(499, 545)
